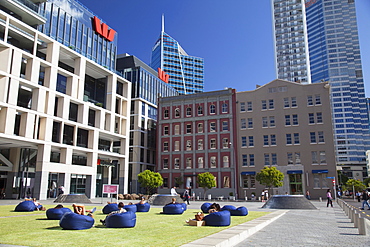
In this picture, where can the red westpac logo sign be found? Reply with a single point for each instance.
(103, 29)
(163, 76)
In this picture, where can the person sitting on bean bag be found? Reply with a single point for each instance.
(120, 210)
(80, 209)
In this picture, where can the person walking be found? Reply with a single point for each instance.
(365, 197)
(330, 198)
(186, 195)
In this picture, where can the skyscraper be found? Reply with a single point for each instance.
(334, 56)
(186, 73)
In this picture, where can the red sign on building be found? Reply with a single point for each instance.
(163, 76)
(103, 29)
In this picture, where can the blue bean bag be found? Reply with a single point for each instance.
(73, 221)
(184, 206)
(221, 218)
(131, 208)
(122, 220)
(228, 208)
(175, 208)
(142, 207)
(240, 211)
(110, 208)
(25, 206)
(57, 213)
(205, 207)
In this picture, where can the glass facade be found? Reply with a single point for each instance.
(71, 23)
(186, 72)
(334, 56)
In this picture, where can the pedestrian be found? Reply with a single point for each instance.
(173, 191)
(330, 198)
(266, 195)
(263, 195)
(365, 197)
(186, 195)
(308, 196)
(358, 195)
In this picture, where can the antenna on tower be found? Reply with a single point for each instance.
(162, 23)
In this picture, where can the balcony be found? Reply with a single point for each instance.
(24, 10)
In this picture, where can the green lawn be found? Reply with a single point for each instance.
(152, 229)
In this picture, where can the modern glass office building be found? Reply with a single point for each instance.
(334, 56)
(74, 25)
(186, 73)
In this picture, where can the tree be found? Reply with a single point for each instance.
(206, 181)
(270, 177)
(150, 180)
(367, 182)
(356, 184)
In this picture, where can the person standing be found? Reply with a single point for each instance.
(263, 195)
(330, 198)
(186, 195)
(365, 197)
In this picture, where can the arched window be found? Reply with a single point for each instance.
(200, 110)
(224, 108)
(212, 109)
(188, 112)
(177, 112)
(166, 113)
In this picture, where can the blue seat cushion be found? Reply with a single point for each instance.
(205, 207)
(221, 218)
(142, 207)
(57, 213)
(184, 206)
(25, 206)
(228, 207)
(122, 220)
(240, 211)
(175, 208)
(110, 208)
(131, 208)
(73, 221)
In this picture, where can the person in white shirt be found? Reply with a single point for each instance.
(173, 191)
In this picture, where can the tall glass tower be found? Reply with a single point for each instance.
(334, 56)
(186, 73)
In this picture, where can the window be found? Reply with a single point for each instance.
(288, 139)
(177, 163)
(244, 141)
(188, 129)
(294, 101)
(311, 118)
(250, 141)
(250, 123)
(213, 161)
(73, 111)
(272, 121)
(188, 112)
(249, 181)
(317, 99)
(271, 104)
(226, 182)
(312, 137)
(319, 117)
(295, 119)
(243, 123)
(320, 180)
(188, 145)
(212, 127)
(251, 160)
(242, 106)
(165, 163)
(264, 105)
(225, 126)
(267, 159)
(249, 106)
(177, 145)
(225, 143)
(225, 108)
(286, 102)
(83, 138)
(297, 158)
(226, 161)
(309, 100)
(68, 135)
(296, 138)
(165, 147)
(200, 162)
(91, 118)
(200, 110)
(165, 130)
(321, 136)
(200, 144)
(213, 144)
(264, 122)
(287, 120)
(188, 163)
(314, 157)
(273, 140)
(212, 109)
(265, 140)
(322, 157)
(177, 129)
(274, 159)
(177, 112)
(166, 115)
(290, 158)
(244, 160)
(200, 128)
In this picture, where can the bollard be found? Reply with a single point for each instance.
(362, 226)
(320, 199)
(351, 215)
(356, 219)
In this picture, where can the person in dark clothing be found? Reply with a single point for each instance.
(365, 197)
(186, 195)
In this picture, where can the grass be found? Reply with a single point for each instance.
(152, 229)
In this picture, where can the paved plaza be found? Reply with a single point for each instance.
(325, 226)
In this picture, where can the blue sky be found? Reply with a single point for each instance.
(234, 37)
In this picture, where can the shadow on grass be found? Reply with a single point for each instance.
(54, 228)
(42, 219)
